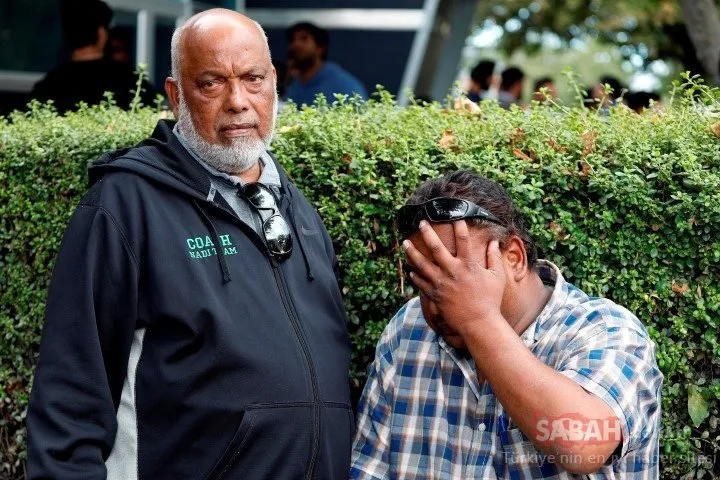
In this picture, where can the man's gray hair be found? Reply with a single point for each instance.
(176, 57)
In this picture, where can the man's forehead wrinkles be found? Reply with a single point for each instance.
(207, 23)
(235, 72)
(224, 61)
(221, 56)
(207, 33)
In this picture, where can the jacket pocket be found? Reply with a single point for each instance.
(272, 441)
(335, 442)
(234, 447)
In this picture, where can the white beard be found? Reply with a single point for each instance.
(238, 157)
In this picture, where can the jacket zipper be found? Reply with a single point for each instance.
(289, 308)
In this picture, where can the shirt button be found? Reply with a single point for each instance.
(481, 427)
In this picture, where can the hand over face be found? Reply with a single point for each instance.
(466, 288)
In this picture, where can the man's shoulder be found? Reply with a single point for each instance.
(123, 73)
(113, 189)
(60, 70)
(297, 87)
(340, 75)
(116, 176)
(585, 315)
(53, 79)
(610, 313)
(299, 93)
(408, 324)
(337, 69)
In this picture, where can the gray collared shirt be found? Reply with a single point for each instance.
(229, 185)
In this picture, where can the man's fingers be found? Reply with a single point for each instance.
(462, 240)
(423, 285)
(494, 256)
(419, 263)
(440, 254)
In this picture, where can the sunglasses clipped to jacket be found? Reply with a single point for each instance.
(275, 229)
(439, 210)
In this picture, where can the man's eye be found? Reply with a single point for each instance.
(256, 78)
(208, 84)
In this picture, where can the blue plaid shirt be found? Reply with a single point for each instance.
(424, 415)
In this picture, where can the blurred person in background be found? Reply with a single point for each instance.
(588, 100)
(313, 73)
(89, 74)
(610, 97)
(511, 86)
(549, 84)
(639, 101)
(481, 79)
(118, 46)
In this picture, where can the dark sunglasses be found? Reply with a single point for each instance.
(439, 210)
(275, 229)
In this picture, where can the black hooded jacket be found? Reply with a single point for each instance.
(175, 347)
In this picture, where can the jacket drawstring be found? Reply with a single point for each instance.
(216, 240)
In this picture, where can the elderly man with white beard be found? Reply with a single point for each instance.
(194, 326)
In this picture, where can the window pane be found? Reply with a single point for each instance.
(164, 27)
(21, 47)
(220, 3)
(124, 26)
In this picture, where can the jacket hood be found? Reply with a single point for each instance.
(162, 158)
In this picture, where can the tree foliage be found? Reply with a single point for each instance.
(653, 28)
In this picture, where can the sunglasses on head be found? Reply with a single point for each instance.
(439, 210)
(275, 229)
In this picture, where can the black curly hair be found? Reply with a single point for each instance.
(468, 185)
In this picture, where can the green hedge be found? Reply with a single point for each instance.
(628, 206)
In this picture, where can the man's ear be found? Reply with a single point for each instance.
(172, 89)
(516, 257)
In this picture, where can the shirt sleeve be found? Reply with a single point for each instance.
(615, 360)
(371, 448)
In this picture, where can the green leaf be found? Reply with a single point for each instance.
(697, 406)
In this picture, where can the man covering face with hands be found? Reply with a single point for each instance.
(502, 369)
